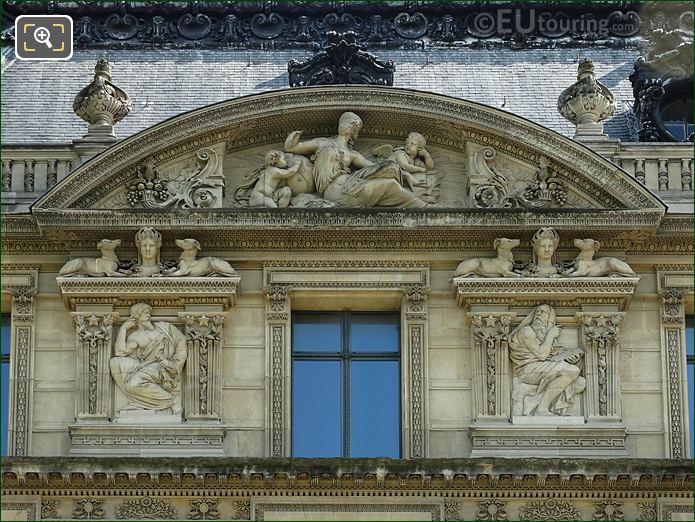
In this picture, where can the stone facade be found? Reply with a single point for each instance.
(542, 284)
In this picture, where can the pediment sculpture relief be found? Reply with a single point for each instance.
(196, 182)
(544, 264)
(329, 172)
(499, 182)
(149, 360)
(546, 377)
(149, 264)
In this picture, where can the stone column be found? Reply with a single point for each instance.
(277, 344)
(673, 327)
(491, 368)
(203, 382)
(6, 175)
(21, 360)
(415, 306)
(94, 350)
(601, 343)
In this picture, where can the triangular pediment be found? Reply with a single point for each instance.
(206, 163)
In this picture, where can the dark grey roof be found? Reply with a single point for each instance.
(37, 97)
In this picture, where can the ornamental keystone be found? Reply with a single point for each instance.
(587, 102)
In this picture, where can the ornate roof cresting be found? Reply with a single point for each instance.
(341, 60)
(587, 102)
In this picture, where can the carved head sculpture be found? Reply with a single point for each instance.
(148, 242)
(275, 158)
(541, 319)
(414, 143)
(545, 242)
(350, 125)
(140, 312)
(543, 316)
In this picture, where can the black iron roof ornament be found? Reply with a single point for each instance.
(341, 60)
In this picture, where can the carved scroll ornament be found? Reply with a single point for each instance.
(196, 184)
(505, 191)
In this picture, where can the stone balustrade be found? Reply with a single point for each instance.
(28, 172)
(663, 167)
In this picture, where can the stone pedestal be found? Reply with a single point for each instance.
(137, 440)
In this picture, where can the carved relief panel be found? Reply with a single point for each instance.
(149, 338)
(545, 337)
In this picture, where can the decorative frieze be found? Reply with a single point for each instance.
(204, 342)
(531, 291)
(146, 508)
(160, 291)
(609, 510)
(204, 509)
(492, 509)
(550, 509)
(94, 336)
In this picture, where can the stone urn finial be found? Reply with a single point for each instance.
(587, 102)
(101, 104)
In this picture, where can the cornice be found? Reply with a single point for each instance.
(258, 474)
(322, 219)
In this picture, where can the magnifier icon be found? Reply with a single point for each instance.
(43, 35)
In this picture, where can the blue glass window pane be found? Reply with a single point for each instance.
(4, 402)
(690, 349)
(375, 423)
(691, 402)
(4, 382)
(5, 340)
(375, 332)
(689, 338)
(316, 332)
(316, 409)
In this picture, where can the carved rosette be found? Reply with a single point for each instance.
(94, 337)
(89, 509)
(490, 340)
(587, 102)
(601, 344)
(101, 103)
(204, 341)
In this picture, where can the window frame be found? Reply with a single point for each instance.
(346, 355)
(356, 285)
